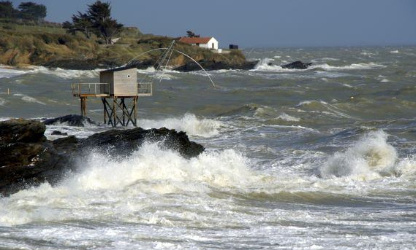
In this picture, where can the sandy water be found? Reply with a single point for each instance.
(321, 158)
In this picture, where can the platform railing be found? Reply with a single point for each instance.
(90, 89)
(102, 89)
(145, 89)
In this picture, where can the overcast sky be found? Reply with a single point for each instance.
(262, 23)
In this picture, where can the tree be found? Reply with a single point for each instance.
(7, 10)
(99, 14)
(191, 34)
(80, 22)
(97, 20)
(32, 11)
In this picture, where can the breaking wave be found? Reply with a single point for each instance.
(8, 72)
(354, 66)
(370, 157)
(107, 187)
(189, 123)
(29, 99)
(267, 65)
(65, 73)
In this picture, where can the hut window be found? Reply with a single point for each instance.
(128, 76)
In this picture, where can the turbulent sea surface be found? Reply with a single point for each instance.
(322, 158)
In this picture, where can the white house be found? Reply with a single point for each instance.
(203, 42)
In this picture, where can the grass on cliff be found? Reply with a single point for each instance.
(39, 45)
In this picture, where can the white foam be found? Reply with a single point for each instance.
(189, 123)
(371, 157)
(65, 73)
(147, 71)
(288, 118)
(354, 66)
(29, 99)
(2, 101)
(108, 185)
(266, 65)
(366, 53)
(8, 72)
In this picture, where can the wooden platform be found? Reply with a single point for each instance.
(121, 110)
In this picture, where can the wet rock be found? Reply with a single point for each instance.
(27, 158)
(122, 142)
(213, 65)
(70, 120)
(296, 65)
(20, 130)
(57, 132)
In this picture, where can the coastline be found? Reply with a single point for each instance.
(53, 48)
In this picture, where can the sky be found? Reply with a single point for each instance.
(262, 23)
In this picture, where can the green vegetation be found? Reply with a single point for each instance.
(34, 42)
(27, 11)
(97, 20)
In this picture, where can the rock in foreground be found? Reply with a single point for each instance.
(27, 158)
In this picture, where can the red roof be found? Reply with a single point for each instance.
(195, 40)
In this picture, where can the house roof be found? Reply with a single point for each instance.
(195, 40)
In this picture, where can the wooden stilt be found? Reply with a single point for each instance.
(114, 111)
(118, 112)
(83, 105)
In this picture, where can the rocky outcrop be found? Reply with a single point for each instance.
(296, 65)
(216, 65)
(27, 158)
(70, 120)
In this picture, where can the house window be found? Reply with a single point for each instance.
(213, 46)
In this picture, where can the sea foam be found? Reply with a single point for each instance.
(189, 123)
(65, 73)
(106, 187)
(29, 99)
(8, 72)
(370, 157)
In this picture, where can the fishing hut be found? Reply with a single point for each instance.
(119, 90)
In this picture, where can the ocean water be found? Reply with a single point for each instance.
(322, 158)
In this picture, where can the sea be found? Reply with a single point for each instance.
(317, 158)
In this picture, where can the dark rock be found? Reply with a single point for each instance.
(28, 159)
(70, 120)
(296, 65)
(56, 132)
(213, 65)
(20, 130)
(123, 142)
